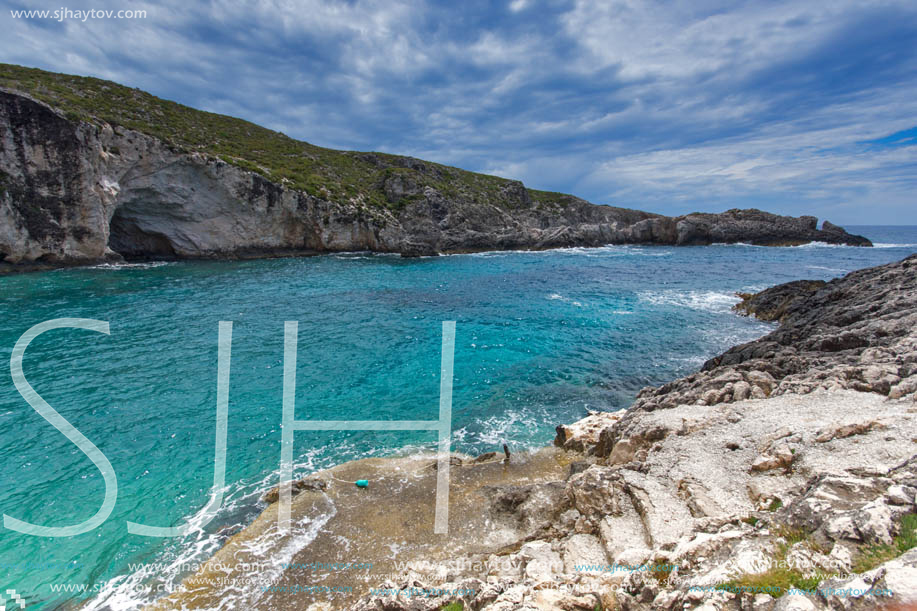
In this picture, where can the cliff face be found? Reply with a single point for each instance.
(75, 191)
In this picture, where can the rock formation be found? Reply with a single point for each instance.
(784, 503)
(76, 191)
(855, 332)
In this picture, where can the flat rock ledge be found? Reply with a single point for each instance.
(695, 497)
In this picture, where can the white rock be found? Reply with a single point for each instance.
(584, 551)
(741, 390)
(900, 495)
(875, 522)
(623, 452)
(779, 457)
(542, 563)
(794, 602)
(901, 576)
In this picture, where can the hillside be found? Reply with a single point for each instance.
(91, 170)
(276, 156)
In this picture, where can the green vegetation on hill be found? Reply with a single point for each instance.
(332, 174)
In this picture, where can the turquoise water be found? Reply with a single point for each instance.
(541, 337)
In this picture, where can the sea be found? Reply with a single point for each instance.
(541, 338)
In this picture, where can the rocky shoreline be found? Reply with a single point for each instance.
(781, 477)
(76, 192)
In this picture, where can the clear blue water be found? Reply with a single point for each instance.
(541, 338)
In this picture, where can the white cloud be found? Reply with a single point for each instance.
(824, 157)
(622, 101)
(685, 37)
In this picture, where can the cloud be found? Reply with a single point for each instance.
(673, 106)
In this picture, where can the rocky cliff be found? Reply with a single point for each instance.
(82, 180)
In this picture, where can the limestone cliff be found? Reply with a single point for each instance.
(76, 188)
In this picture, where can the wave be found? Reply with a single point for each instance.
(164, 574)
(136, 589)
(640, 250)
(815, 245)
(833, 270)
(807, 245)
(278, 549)
(499, 429)
(707, 301)
(146, 265)
(557, 297)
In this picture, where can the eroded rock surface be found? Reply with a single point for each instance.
(692, 511)
(858, 332)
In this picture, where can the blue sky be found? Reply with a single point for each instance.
(798, 107)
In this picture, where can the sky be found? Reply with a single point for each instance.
(796, 107)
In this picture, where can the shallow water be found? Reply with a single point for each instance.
(541, 337)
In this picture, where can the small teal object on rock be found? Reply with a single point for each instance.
(362, 483)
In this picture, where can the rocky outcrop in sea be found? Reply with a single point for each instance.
(76, 192)
(855, 332)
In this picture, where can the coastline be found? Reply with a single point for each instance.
(530, 306)
(610, 494)
(132, 192)
(8, 269)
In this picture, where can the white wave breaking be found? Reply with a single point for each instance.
(707, 301)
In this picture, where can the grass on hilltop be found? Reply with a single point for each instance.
(331, 174)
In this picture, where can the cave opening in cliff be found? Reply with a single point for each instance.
(129, 237)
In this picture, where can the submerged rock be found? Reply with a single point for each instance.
(297, 486)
